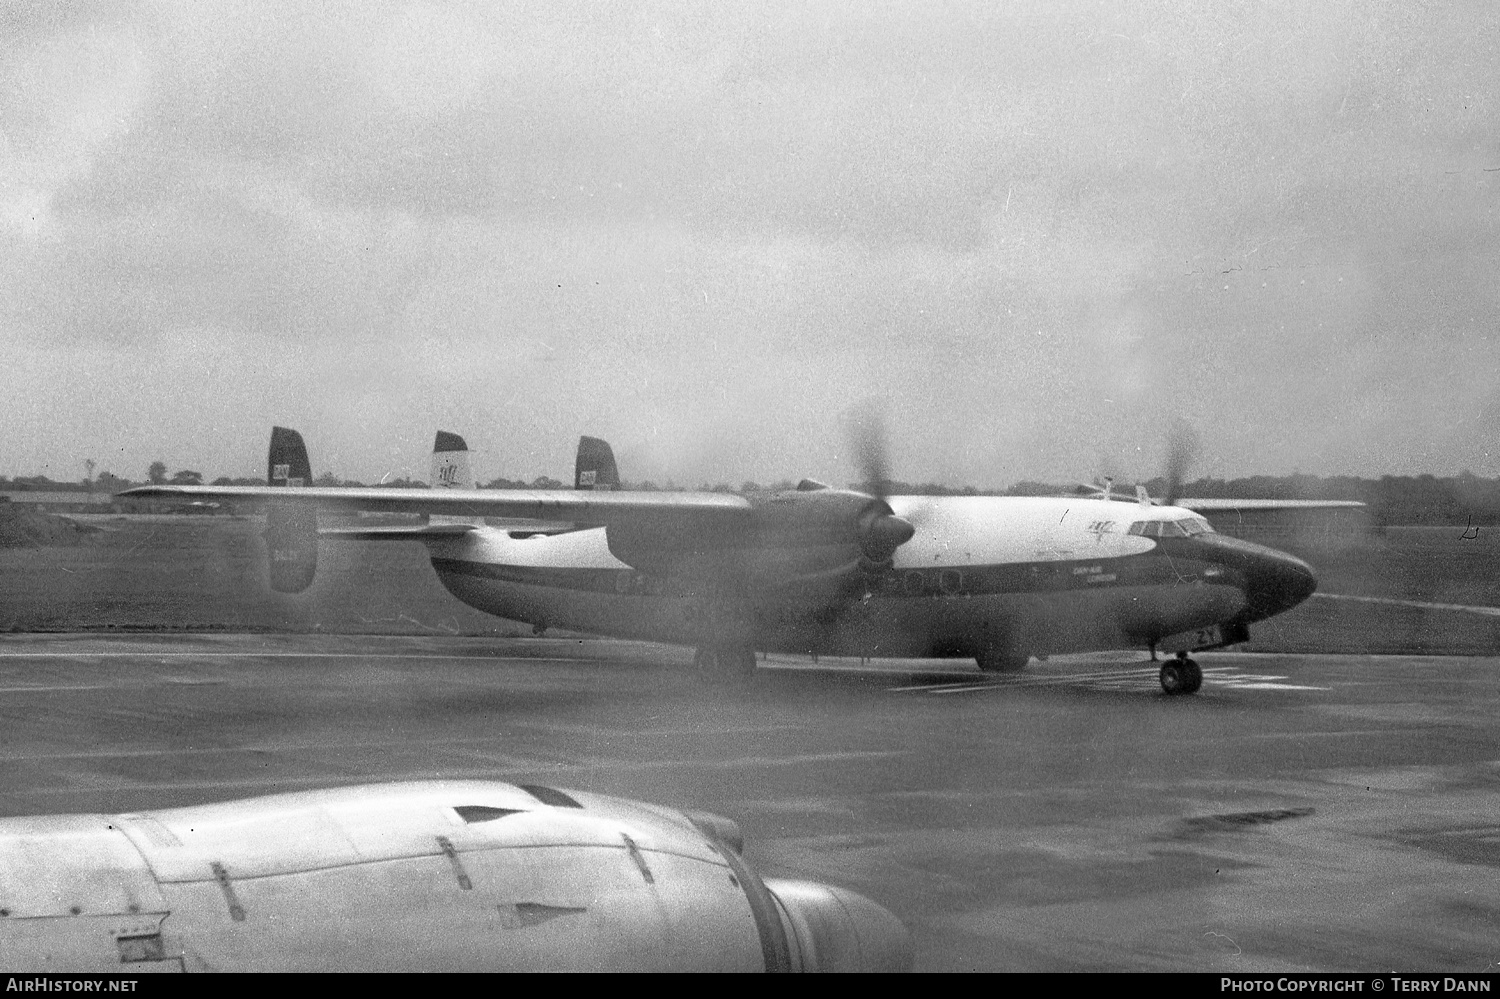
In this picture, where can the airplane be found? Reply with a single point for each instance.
(422, 876)
(813, 569)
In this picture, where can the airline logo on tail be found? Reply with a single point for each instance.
(283, 474)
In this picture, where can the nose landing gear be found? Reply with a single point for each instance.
(1181, 675)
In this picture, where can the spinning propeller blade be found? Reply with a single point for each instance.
(881, 532)
(1182, 451)
(867, 443)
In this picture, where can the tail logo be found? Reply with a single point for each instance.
(587, 478)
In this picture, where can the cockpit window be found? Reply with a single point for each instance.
(1186, 527)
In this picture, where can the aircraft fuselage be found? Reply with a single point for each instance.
(1034, 575)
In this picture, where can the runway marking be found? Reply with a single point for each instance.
(987, 681)
(1276, 686)
(1425, 605)
(90, 686)
(294, 655)
(269, 750)
(467, 745)
(575, 775)
(1125, 678)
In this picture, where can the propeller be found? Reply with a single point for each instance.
(881, 532)
(1182, 451)
(865, 426)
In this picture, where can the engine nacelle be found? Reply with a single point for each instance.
(436, 876)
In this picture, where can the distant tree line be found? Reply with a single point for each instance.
(1392, 499)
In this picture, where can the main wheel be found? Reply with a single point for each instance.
(1181, 676)
(1001, 660)
(1171, 677)
(1192, 677)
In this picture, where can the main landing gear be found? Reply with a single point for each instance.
(725, 662)
(1181, 675)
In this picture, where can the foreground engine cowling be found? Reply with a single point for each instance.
(434, 876)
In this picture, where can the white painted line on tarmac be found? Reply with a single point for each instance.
(1022, 678)
(1262, 685)
(1425, 605)
(989, 682)
(28, 690)
(291, 655)
(1122, 679)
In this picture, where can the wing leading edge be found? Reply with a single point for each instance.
(577, 506)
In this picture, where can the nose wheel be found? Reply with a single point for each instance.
(1181, 675)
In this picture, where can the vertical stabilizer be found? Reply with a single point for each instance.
(291, 528)
(595, 466)
(450, 463)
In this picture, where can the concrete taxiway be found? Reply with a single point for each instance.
(1300, 813)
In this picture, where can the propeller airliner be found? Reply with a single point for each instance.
(815, 569)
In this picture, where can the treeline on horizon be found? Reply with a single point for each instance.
(1392, 499)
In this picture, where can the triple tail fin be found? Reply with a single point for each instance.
(450, 463)
(595, 465)
(291, 528)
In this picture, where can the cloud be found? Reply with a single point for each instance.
(1039, 231)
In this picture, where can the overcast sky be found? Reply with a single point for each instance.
(1035, 231)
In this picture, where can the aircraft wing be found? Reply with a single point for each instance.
(553, 505)
(1219, 505)
(396, 532)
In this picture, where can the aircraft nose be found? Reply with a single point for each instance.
(839, 930)
(1273, 581)
(1276, 581)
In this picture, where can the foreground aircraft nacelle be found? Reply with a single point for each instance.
(440, 876)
